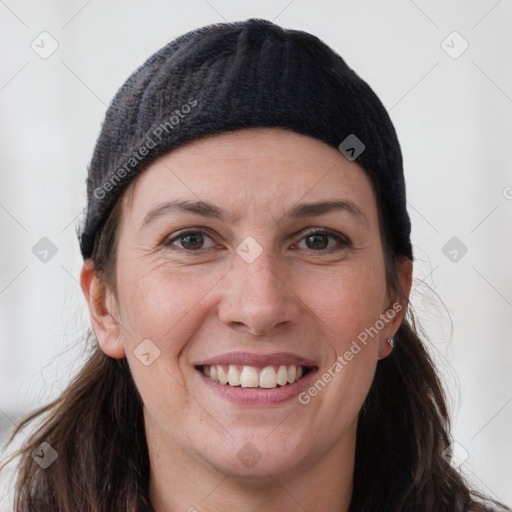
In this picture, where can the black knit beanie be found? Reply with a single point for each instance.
(231, 76)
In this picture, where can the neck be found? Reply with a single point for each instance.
(182, 483)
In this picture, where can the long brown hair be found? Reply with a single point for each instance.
(97, 428)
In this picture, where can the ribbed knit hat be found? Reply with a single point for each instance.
(231, 76)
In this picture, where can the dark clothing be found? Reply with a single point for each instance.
(490, 507)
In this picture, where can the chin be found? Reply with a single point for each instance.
(260, 457)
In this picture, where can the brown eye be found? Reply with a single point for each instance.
(317, 241)
(321, 241)
(190, 240)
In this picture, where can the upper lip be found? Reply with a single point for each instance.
(258, 360)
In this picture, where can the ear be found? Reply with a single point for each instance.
(394, 313)
(103, 312)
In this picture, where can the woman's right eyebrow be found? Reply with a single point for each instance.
(205, 209)
(202, 208)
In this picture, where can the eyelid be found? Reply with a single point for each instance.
(340, 238)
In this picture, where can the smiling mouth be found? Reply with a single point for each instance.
(268, 377)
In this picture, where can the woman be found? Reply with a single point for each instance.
(247, 268)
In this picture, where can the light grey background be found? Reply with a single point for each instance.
(454, 121)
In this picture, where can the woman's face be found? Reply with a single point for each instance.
(218, 267)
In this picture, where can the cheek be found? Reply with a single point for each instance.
(348, 302)
(165, 305)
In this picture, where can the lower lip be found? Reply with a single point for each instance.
(257, 396)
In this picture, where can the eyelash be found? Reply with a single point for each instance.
(342, 241)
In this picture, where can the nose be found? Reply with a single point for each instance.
(258, 298)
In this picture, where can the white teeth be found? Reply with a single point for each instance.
(223, 376)
(233, 376)
(268, 377)
(282, 375)
(251, 377)
(292, 373)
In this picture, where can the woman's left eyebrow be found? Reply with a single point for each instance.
(205, 209)
(321, 208)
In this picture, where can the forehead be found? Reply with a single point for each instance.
(265, 168)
